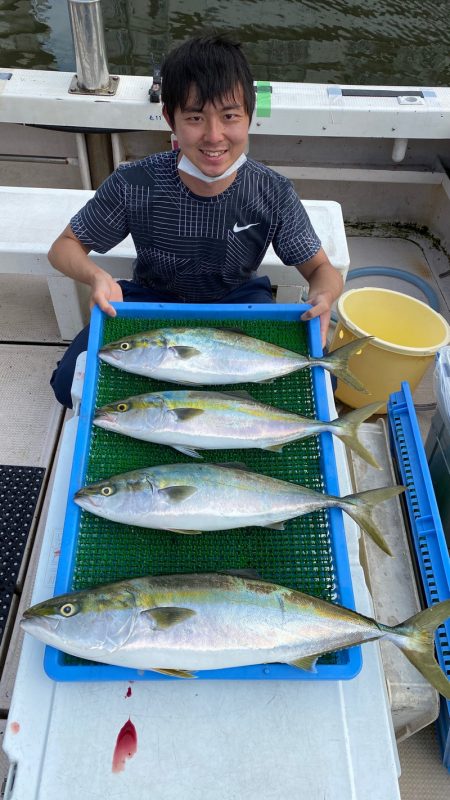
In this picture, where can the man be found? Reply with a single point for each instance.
(202, 216)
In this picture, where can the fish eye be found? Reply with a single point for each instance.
(67, 610)
(122, 407)
(125, 345)
(106, 491)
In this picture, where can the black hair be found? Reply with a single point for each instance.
(213, 65)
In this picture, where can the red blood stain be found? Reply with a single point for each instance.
(129, 692)
(126, 746)
(15, 727)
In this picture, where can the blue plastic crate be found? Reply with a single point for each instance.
(428, 537)
(348, 662)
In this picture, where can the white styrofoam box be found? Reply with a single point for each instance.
(31, 219)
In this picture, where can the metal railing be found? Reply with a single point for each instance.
(92, 75)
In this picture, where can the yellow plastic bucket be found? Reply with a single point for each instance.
(407, 332)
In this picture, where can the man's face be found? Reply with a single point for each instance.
(214, 136)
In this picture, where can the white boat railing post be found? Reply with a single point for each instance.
(399, 150)
(90, 50)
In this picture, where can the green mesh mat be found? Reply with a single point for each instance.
(299, 557)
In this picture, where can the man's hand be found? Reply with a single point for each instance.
(104, 291)
(71, 257)
(321, 306)
(325, 286)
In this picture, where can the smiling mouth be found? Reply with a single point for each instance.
(213, 153)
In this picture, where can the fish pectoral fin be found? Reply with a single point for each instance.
(166, 617)
(178, 493)
(183, 414)
(174, 673)
(188, 533)
(275, 526)
(184, 352)
(187, 451)
(274, 448)
(308, 663)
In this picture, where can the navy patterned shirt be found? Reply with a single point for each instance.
(199, 248)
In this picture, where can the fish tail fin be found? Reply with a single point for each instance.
(337, 362)
(415, 638)
(360, 507)
(347, 428)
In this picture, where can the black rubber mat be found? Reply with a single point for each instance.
(19, 493)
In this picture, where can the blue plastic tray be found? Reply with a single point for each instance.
(348, 662)
(426, 527)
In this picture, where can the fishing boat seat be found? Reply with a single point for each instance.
(32, 218)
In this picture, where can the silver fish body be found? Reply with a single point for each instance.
(191, 420)
(190, 498)
(178, 624)
(213, 356)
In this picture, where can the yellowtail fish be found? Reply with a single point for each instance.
(178, 624)
(214, 356)
(192, 420)
(192, 498)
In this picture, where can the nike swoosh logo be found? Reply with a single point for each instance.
(238, 228)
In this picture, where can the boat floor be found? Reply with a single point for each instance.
(31, 423)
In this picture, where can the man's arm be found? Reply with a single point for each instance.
(68, 255)
(325, 286)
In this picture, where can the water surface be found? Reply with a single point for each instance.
(404, 42)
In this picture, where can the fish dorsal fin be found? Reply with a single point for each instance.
(308, 663)
(166, 617)
(184, 414)
(178, 493)
(253, 574)
(184, 351)
(174, 673)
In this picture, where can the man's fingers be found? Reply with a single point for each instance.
(105, 290)
(103, 304)
(107, 308)
(321, 310)
(116, 294)
(315, 311)
(324, 323)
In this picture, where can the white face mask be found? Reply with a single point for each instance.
(187, 166)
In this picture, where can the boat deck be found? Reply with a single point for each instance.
(30, 345)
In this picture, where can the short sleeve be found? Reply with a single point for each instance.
(295, 240)
(102, 222)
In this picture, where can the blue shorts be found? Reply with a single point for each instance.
(257, 290)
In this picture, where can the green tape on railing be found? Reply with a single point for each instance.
(263, 99)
